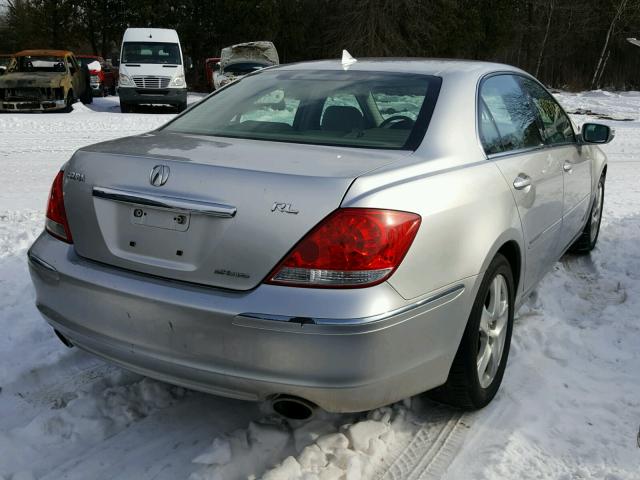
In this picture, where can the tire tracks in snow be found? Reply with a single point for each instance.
(432, 447)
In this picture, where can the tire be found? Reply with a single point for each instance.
(181, 107)
(589, 236)
(87, 96)
(125, 107)
(465, 387)
(68, 103)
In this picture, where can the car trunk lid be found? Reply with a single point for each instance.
(201, 209)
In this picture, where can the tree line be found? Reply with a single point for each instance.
(566, 43)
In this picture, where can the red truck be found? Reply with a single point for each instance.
(103, 77)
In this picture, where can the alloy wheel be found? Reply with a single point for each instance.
(596, 213)
(493, 330)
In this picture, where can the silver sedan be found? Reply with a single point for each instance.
(323, 233)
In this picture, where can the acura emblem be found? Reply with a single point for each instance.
(159, 175)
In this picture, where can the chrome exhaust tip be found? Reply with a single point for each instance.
(293, 408)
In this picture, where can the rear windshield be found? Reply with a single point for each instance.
(354, 109)
(151, 52)
(39, 64)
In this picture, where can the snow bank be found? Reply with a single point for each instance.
(321, 449)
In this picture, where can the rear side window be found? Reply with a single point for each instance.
(326, 107)
(557, 126)
(489, 135)
(513, 114)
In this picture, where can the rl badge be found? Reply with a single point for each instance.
(283, 207)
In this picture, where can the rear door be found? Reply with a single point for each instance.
(576, 164)
(511, 135)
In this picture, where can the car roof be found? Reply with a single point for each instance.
(150, 35)
(426, 66)
(53, 53)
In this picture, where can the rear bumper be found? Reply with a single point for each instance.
(139, 96)
(31, 105)
(203, 338)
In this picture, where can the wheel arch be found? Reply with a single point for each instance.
(511, 251)
(509, 244)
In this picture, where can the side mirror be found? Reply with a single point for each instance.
(597, 133)
(115, 62)
(188, 63)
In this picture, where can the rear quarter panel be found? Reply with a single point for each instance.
(467, 212)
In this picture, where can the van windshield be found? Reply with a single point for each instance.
(151, 52)
(344, 108)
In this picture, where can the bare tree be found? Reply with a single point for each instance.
(546, 37)
(620, 10)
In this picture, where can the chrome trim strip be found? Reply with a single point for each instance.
(452, 292)
(39, 262)
(160, 201)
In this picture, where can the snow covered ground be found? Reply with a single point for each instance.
(569, 407)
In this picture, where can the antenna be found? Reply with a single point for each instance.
(347, 59)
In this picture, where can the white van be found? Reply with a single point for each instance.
(151, 69)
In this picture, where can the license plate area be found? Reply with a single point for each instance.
(160, 218)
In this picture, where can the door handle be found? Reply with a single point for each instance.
(567, 167)
(522, 181)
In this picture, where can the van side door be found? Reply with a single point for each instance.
(576, 162)
(511, 135)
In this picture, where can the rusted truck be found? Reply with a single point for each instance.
(211, 65)
(239, 60)
(44, 80)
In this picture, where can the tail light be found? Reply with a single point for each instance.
(352, 247)
(56, 222)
